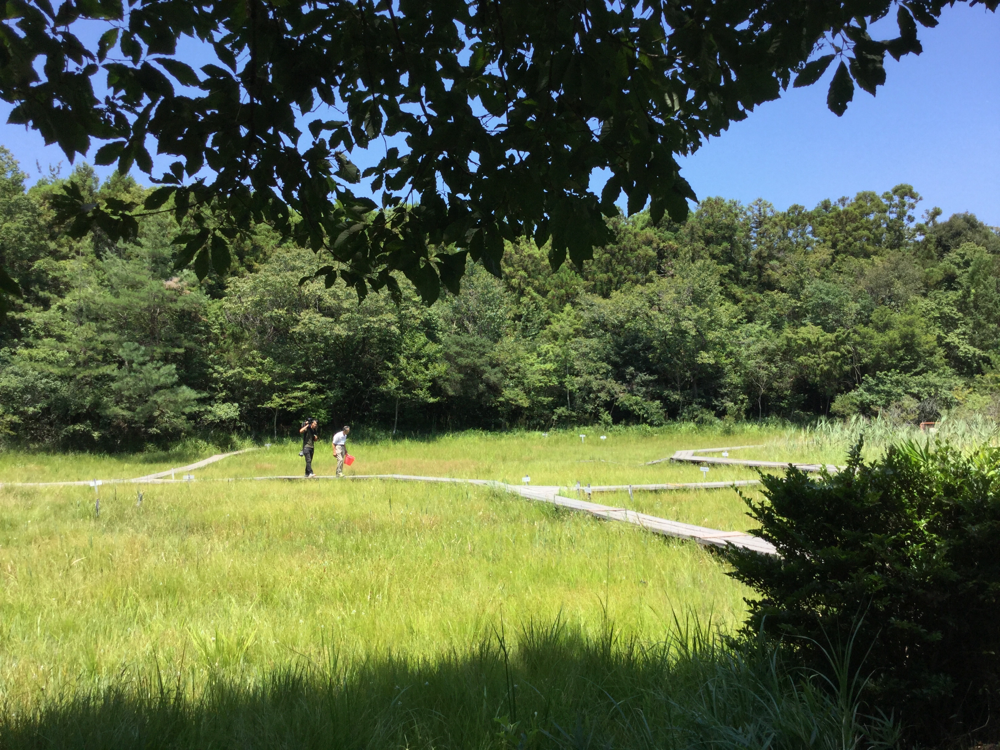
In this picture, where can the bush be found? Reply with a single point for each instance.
(901, 555)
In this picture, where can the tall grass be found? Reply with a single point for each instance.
(383, 614)
(201, 576)
(543, 686)
(554, 458)
(19, 465)
(879, 433)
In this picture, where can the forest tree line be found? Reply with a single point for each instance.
(854, 307)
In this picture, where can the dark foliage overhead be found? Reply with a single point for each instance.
(498, 113)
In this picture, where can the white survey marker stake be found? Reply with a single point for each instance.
(725, 454)
(704, 470)
(604, 437)
(189, 477)
(96, 482)
(582, 438)
(526, 480)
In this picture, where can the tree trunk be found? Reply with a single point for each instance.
(395, 421)
(276, 425)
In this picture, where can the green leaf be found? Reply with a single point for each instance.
(479, 58)
(347, 170)
(130, 47)
(214, 71)
(920, 11)
(557, 256)
(868, 71)
(318, 126)
(183, 72)
(221, 258)
(492, 252)
(675, 203)
(157, 198)
(109, 153)
(609, 194)
(424, 280)
(193, 243)
(225, 55)
(108, 40)
(907, 26)
(452, 268)
(202, 265)
(142, 159)
(636, 200)
(126, 159)
(841, 90)
(657, 207)
(347, 234)
(812, 71)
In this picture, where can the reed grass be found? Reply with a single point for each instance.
(540, 686)
(206, 575)
(387, 614)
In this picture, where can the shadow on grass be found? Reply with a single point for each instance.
(549, 688)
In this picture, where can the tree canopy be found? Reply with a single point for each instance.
(494, 114)
(851, 308)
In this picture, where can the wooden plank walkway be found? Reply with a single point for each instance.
(157, 478)
(549, 494)
(546, 494)
(691, 456)
(668, 487)
(196, 465)
(701, 450)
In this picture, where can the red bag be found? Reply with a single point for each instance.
(348, 459)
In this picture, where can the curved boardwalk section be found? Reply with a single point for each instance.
(156, 478)
(692, 456)
(196, 465)
(548, 494)
(545, 494)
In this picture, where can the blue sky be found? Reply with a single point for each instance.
(934, 125)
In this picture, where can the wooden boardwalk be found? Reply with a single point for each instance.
(157, 478)
(691, 456)
(196, 465)
(669, 487)
(550, 494)
(546, 494)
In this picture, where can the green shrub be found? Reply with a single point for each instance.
(900, 554)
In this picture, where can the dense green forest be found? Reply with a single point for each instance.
(741, 312)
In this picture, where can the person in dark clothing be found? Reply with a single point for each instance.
(310, 432)
(304, 424)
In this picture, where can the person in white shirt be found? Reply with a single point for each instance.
(340, 448)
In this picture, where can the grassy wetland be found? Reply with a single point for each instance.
(377, 613)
